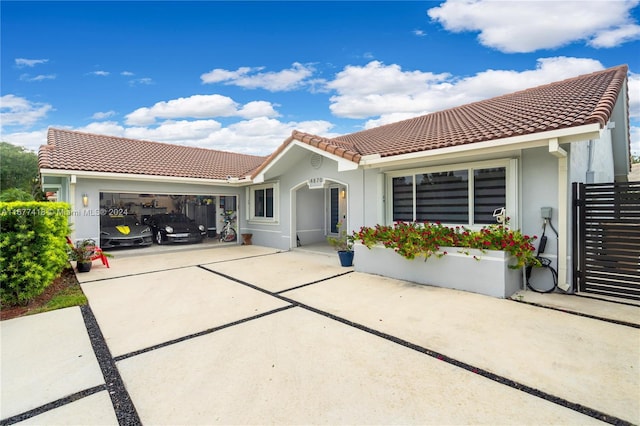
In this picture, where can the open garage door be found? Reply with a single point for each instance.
(133, 219)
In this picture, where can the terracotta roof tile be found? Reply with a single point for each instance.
(569, 103)
(70, 150)
(573, 102)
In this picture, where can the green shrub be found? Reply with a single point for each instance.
(33, 248)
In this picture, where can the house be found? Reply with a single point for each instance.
(520, 151)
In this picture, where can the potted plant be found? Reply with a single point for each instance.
(343, 243)
(82, 253)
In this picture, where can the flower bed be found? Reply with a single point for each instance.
(487, 261)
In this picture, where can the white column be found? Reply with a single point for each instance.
(563, 211)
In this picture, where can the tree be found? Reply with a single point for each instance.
(18, 169)
(15, 194)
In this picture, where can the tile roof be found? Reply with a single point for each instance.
(573, 102)
(71, 150)
(585, 99)
(344, 150)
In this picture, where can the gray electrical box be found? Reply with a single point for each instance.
(545, 212)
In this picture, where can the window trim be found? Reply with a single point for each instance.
(276, 204)
(511, 190)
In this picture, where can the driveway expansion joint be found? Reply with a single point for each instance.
(200, 333)
(468, 367)
(122, 404)
(52, 405)
(476, 370)
(579, 314)
(312, 282)
(175, 268)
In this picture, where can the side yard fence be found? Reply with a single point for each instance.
(606, 239)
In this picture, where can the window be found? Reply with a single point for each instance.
(489, 193)
(403, 199)
(463, 194)
(263, 200)
(442, 197)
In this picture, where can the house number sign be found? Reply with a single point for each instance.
(315, 183)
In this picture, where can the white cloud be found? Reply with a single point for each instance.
(388, 92)
(260, 136)
(103, 115)
(256, 136)
(251, 78)
(198, 106)
(41, 77)
(101, 128)
(219, 75)
(127, 73)
(146, 81)
(616, 36)
(635, 140)
(526, 26)
(100, 73)
(22, 62)
(377, 89)
(15, 110)
(375, 77)
(183, 131)
(419, 33)
(257, 109)
(30, 140)
(634, 95)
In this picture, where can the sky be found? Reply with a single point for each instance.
(241, 76)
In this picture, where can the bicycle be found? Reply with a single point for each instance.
(228, 234)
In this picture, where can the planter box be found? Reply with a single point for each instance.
(490, 275)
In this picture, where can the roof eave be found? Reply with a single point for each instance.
(567, 135)
(145, 178)
(343, 163)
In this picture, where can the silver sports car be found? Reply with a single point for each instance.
(123, 231)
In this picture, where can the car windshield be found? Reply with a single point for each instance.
(128, 220)
(174, 218)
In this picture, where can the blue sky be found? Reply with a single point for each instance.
(240, 76)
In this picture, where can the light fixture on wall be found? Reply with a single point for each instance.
(85, 200)
(343, 194)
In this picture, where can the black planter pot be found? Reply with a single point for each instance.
(346, 258)
(83, 266)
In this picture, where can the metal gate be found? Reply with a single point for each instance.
(606, 239)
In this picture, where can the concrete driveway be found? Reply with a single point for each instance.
(249, 335)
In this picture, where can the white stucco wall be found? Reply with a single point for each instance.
(310, 209)
(539, 188)
(592, 161)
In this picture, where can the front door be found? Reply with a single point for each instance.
(337, 195)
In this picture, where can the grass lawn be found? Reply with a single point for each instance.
(63, 292)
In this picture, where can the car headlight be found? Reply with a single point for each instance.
(146, 230)
(201, 228)
(169, 229)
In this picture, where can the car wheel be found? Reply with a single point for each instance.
(159, 238)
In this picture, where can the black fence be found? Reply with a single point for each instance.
(606, 239)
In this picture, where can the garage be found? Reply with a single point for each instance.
(140, 220)
(127, 193)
